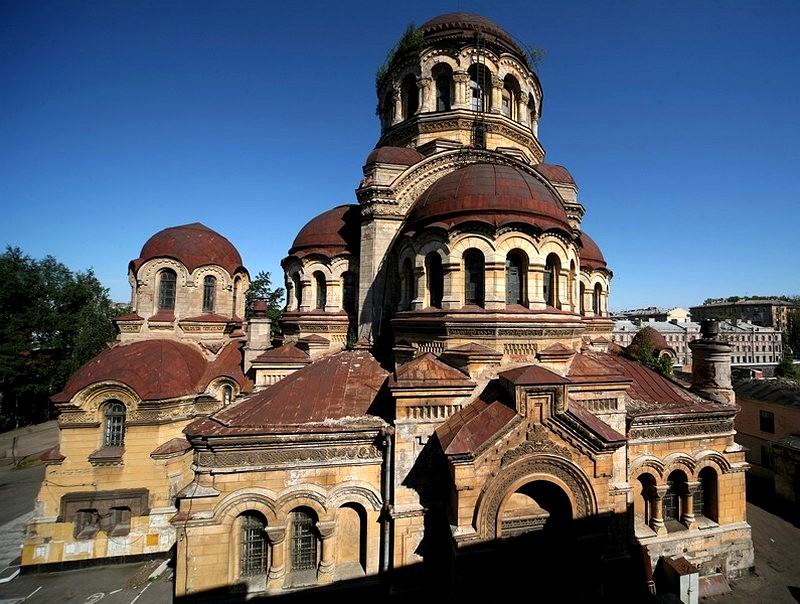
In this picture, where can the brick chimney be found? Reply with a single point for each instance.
(711, 364)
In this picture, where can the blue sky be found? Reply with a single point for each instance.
(678, 119)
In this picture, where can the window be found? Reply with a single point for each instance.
(209, 293)
(509, 97)
(705, 497)
(479, 81)
(596, 298)
(674, 499)
(443, 92)
(304, 541)
(166, 289)
(409, 92)
(298, 291)
(114, 424)
(387, 110)
(473, 278)
(435, 276)
(581, 297)
(407, 283)
(349, 293)
(766, 421)
(87, 524)
(254, 552)
(515, 278)
(552, 269)
(236, 285)
(118, 522)
(227, 394)
(322, 290)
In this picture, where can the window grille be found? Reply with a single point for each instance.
(115, 424)
(209, 293)
(254, 546)
(304, 542)
(166, 290)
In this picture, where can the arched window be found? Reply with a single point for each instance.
(304, 541)
(552, 270)
(254, 558)
(349, 292)
(227, 394)
(674, 498)
(473, 278)
(443, 76)
(643, 503)
(516, 271)
(409, 93)
(166, 289)
(705, 496)
(322, 290)
(509, 96)
(237, 283)
(582, 298)
(480, 80)
(114, 431)
(387, 110)
(531, 110)
(298, 291)
(435, 279)
(209, 293)
(596, 298)
(407, 285)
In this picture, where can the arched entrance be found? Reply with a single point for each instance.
(536, 506)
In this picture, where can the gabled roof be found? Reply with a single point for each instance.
(532, 374)
(467, 430)
(285, 353)
(332, 392)
(428, 371)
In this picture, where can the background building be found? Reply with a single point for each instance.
(767, 313)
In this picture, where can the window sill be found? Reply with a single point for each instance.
(107, 456)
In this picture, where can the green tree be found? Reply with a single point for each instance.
(792, 335)
(643, 350)
(787, 369)
(51, 321)
(261, 289)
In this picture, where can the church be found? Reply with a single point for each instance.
(444, 408)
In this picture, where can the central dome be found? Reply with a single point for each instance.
(463, 26)
(490, 193)
(193, 245)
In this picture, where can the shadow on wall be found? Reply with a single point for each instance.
(560, 564)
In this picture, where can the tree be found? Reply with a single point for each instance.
(51, 321)
(261, 289)
(787, 369)
(792, 335)
(643, 350)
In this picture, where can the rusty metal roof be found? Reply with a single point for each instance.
(157, 369)
(428, 371)
(555, 173)
(336, 231)
(335, 391)
(591, 256)
(193, 245)
(495, 194)
(403, 156)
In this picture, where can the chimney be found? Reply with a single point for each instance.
(258, 333)
(711, 364)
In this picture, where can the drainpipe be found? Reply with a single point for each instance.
(388, 480)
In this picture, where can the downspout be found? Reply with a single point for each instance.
(386, 513)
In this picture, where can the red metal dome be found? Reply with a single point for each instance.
(490, 193)
(334, 232)
(403, 156)
(591, 256)
(461, 27)
(555, 173)
(193, 245)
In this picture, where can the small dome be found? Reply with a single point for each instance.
(193, 245)
(591, 256)
(491, 193)
(461, 27)
(334, 232)
(403, 156)
(154, 369)
(554, 173)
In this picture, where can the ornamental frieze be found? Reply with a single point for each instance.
(536, 442)
(682, 429)
(288, 457)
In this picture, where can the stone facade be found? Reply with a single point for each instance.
(445, 410)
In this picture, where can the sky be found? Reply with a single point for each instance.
(678, 119)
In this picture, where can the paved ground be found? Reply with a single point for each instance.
(776, 541)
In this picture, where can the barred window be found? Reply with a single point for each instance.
(209, 293)
(166, 289)
(114, 424)
(304, 541)
(254, 545)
